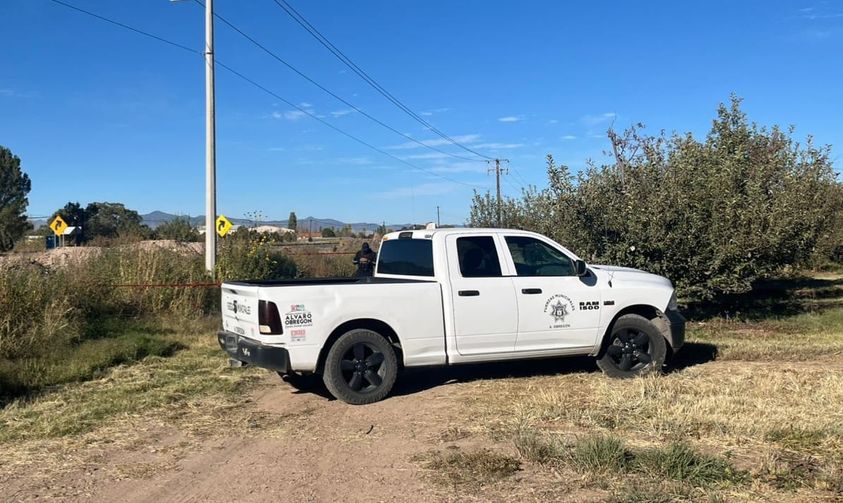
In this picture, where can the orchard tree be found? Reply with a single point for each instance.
(713, 215)
(14, 187)
(178, 229)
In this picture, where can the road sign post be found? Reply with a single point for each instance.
(58, 225)
(223, 225)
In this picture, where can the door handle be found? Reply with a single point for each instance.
(531, 291)
(469, 293)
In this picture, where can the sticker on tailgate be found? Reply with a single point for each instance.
(238, 308)
(298, 316)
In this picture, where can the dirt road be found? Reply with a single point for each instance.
(316, 449)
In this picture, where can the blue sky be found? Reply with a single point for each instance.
(98, 113)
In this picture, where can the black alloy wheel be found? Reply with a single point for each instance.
(629, 349)
(361, 367)
(634, 347)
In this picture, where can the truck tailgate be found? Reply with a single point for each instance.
(240, 309)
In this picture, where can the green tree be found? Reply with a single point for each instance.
(14, 187)
(178, 229)
(328, 232)
(292, 221)
(113, 220)
(713, 215)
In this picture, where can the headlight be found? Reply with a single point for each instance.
(672, 304)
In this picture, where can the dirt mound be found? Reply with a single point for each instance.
(74, 255)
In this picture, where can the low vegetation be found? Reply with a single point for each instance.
(69, 323)
(475, 467)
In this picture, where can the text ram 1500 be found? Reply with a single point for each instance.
(449, 296)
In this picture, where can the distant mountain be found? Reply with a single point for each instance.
(156, 218)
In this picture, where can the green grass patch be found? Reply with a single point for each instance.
(115, 342)
(603, 453)
(473, 468)
(175, 387)
(608, 454)
(679, 461)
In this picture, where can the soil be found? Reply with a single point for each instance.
(314, 449)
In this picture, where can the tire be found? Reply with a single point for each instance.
(300, 382)
(361, 367)
(635, 347)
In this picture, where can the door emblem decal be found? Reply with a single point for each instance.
(559, 307)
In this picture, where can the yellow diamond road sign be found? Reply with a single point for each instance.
(223, 225)
(58, 225)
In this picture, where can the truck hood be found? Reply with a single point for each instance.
(629, 275)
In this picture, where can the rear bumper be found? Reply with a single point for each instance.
(253, 352)
(676, 325)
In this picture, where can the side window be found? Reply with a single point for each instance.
(536, 258)
(478, 257)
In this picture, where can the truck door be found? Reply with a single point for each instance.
(484, 304)
(556, 308)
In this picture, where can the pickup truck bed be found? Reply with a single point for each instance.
(313, 309)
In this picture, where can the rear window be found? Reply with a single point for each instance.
(410, 257)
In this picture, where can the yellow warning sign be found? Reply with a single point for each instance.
(223, 225)
(58, 225)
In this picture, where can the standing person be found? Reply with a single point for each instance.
(365, 261)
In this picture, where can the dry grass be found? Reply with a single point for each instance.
(761, 421)
(471, 468)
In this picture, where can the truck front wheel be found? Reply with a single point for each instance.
(635, 347)
(361, 367)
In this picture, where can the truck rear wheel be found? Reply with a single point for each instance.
(635, 347)
(361, 367)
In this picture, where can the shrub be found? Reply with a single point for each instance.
(713, 215)
(252, 258)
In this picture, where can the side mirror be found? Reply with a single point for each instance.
(581, 268)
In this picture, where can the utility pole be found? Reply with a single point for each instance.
(498, 170)
(210, 144)
(438, 223)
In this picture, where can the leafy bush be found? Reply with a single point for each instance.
(178, 229)
(252, 257)
(714, 216)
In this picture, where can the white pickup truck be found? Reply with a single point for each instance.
(450, 296)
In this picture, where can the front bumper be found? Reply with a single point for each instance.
(253, 352)
(676, 326)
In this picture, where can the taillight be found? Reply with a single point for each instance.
(269, 318)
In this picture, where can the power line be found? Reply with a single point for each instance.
(337, 129)
(331, 93)
(130, 28)
(268, 91)
(304, 23)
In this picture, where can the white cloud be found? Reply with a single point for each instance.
(276, 149)
(596, 120)
(340, 113)
(290, 115)
(428, 113)
(431, 155)
(510, 118)
(424, 189)
(497, 146)
(305, 104)
(569, 137)
(466, 138)
(553, 121)
(357, 161)
(460, 167)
